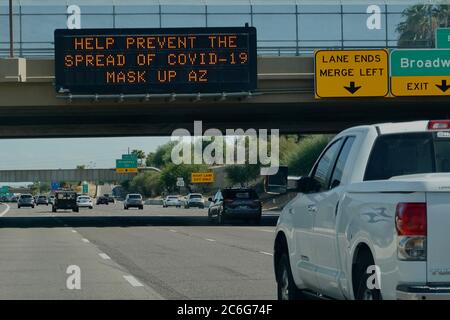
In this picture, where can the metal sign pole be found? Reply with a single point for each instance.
(11, 34)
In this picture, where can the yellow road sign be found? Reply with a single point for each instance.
(126, 170)
(351, 73)
(420, 86)
(202, 177)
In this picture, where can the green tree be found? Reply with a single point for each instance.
(140, 155)
(242, 174)
(81, 167)
(147, 184)
(161, 157)
(301, 160)
(171, 172)
(421, 21)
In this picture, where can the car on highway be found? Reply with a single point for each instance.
(235, 203)
(109, 197)
(194, 200)
(41, 200)
(84, 201)
(133, 200)
(172, 201)
(51, 199)
(102, 200)
(371, 220)
(65, 200)
(25, 200)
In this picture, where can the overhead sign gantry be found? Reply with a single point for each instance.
(158, 61)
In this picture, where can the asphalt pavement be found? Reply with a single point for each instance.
(111, 253)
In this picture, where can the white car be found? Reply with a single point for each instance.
(194, 200)
(85, 202)
(371, 221)
(172, 201)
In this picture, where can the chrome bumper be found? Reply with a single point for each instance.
(423, 292)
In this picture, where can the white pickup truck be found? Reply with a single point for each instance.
(372, 220)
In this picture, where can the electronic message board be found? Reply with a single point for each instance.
(167, 60)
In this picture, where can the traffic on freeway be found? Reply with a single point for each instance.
(228, 156)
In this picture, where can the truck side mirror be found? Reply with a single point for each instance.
(308, 185)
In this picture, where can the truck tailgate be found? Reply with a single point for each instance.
(438, 239)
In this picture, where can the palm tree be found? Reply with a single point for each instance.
(140, 155)
(421, 21)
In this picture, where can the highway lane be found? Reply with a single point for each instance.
(174, 253)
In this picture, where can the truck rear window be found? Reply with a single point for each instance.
(408, 153)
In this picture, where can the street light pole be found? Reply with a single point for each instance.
(11, 34)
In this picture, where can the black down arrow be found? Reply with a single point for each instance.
(352, 88)
(443, 86)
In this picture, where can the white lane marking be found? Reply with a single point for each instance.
(266, 230)
(171, 230)
(6, 210)
(85, 240)
(211, 240)
(104, 256)
(266, 253)
(74, 231)
(133, 281)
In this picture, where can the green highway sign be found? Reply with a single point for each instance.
(442, 38)
(85, 187)
(4, 189)
(126, 163)
(129, 157)
(420, 72)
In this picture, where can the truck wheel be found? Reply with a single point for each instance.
(286, 288)
(141, 208)
(53, 209)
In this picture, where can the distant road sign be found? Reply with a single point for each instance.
(55, 185)
(4, 189)
(442, 38)
(126, 163)
(126, 170)
(202, 177)
(85, 188)
(351, 73)
(180, 183)
(157, 60)
(420, 72)
(129, 157)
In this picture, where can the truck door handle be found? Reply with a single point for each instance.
(312, 208)
(291, 211)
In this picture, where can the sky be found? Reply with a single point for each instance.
(68, 153)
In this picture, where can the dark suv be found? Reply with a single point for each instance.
(238, 203)
(65, 200)
(25, 200)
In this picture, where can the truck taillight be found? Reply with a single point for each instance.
(411, 219)
(439, 125)
(411, 225)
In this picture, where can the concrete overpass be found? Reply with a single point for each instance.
(104, 175)
(30, 108)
